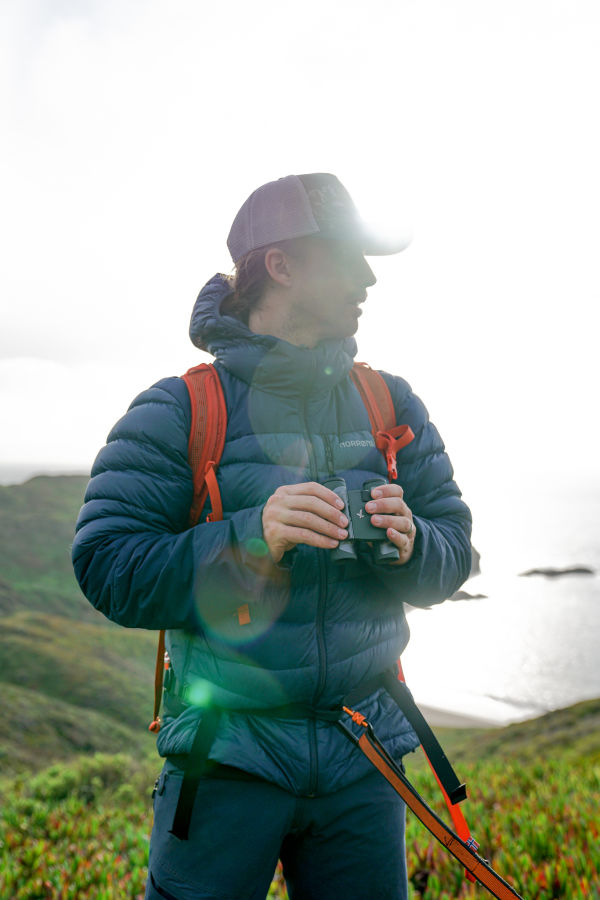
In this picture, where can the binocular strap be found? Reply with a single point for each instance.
(463, 851)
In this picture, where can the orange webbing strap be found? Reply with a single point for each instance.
(375, 394)
(463, 851)
(205, 448)
(154, 726)
(456, 813)
(210, 478)
(390, 442)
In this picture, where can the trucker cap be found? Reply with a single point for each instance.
(299, 205)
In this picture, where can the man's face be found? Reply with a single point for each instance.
(330, 281)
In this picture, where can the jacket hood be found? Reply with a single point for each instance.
(262, 359)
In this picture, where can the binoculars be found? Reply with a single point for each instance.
(359, 523)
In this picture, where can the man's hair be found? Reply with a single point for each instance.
(251, 279)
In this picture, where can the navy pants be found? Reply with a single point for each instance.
(347, 845)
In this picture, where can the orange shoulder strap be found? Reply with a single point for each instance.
(207, 437)
(389, 437)
(205, 448)
(375, 395)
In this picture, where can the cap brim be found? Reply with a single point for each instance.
(370, 242)
(376, 246)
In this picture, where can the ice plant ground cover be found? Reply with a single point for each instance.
(80, 829)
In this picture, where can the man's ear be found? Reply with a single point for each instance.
(278, 266)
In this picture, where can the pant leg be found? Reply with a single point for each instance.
(348, 845)
(235, 834)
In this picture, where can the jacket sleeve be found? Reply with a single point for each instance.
(441, 560)
(134, 556)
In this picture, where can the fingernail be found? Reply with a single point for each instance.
(339, 503)
(343, 521)
(370, 506)
(342, 534)
(376, 520)
(375, 493)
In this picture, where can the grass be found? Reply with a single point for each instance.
(536, 823)
(80, 829)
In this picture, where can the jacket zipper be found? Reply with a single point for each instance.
(328, 454)
(322, 650)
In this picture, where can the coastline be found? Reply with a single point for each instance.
(459, 709)
(444, 718)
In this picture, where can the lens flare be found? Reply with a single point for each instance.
(200, 693)
(257, 547)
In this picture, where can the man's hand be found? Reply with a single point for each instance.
(306, 513)
(392, 513)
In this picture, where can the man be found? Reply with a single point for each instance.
(270, 782)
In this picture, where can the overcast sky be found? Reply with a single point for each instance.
(132, 131)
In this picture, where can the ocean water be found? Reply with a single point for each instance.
(533, 644)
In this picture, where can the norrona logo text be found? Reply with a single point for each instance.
(356, 443)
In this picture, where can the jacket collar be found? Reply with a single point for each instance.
(262, 360)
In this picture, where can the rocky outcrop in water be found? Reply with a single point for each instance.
(464, 595)
(550, 572)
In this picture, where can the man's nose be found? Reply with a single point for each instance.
(367, 274)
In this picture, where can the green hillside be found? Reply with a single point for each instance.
(71, 681)
(37, 732)
(37, 520)
(575, 730)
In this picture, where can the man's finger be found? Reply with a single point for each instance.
(312, 489)
(308, 521)
(307, 536)
(402, 524)
(404, 542)
(387, 490)
(314, 505)
(393, 506)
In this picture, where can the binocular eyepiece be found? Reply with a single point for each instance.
(359, 523)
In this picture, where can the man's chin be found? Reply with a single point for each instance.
(342, 335)
(353, 318)
(346, 326)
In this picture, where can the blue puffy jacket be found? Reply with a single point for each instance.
(317, 629)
